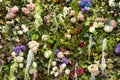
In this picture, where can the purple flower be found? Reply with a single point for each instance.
(84, 10)
(117, 49)
(85, 1)
(57, 51)
(16, 49)
(22, 47)
(65, 60)
(56, 59)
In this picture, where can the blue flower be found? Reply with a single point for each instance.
(81, 4)
(88, 4)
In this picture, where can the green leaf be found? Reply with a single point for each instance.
(35, 37)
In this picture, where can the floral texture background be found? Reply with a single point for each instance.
(59, 39)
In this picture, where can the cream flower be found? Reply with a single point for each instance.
(60, 55)
(21, 65)
(13, 54)
(73, 20)
(95, 24)
(92, 29)
(20, 32)
(63, 66)
(66, 53)
(111, 3)
(55, 68)
(54, 63)
(34, 64)
(19, 59)
(33, 45)
(93, 68)
(67, 71)
(45, 37)
(47, 54)
(108, 28)
(67, 35)
(56, 74)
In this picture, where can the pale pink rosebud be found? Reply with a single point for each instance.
(113, 23)
(31, 6)
(81, 17)
(25, 11)
(72, 13)
(35, 75)
(73, 20)
(14, 9)
(10, 15)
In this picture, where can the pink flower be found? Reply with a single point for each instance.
(72, 13)
(72, 74)
(25, 11)
(10, 15)
(35, 75)
(14, 9)
(31, 6)
(80, 71)
(73, 63)
(73, 20)
(9, 59)
(80, 17)
(3, 55)
(113, 23)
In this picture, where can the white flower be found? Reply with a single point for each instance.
(19, 59)
(45, 37)
(63, 66)
(52, 72)
(23, 26)
(60, 55)
(20, 32)
(55, 68)
(119, 4)
(60, 17)
(67, 35)
(1, 0)
(56, 74)
(34, 64)
(13, 54)
(100, 24)
(32, 71)
(92, 29)
(66, 10)
(21, 54)
(95, 24)
(108, 28)
(93, 68)
(66, 53)
(111, 3)
(21, 65)
(54, 63)
(47, 54)
(67, 71)
(25, 30)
